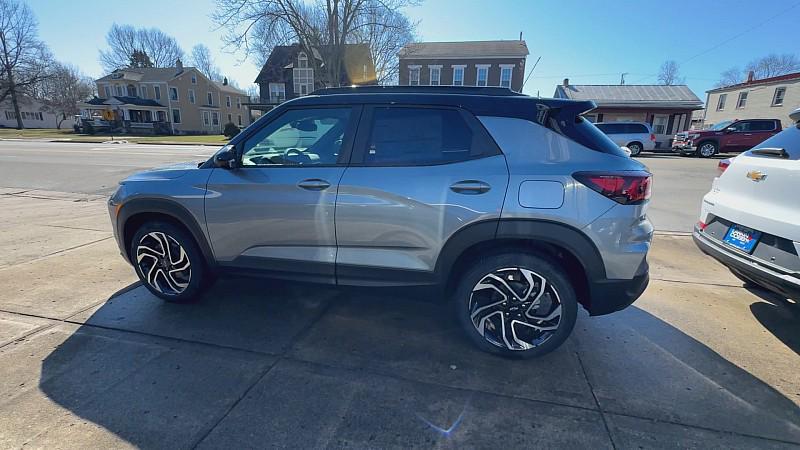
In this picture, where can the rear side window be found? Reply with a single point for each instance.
(636, 128)
(584, 132)
(762, 125)
(788, 139)
(418, 136)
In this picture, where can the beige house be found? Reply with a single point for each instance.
(767, 98)
(177, 100)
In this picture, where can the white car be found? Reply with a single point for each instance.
(636, 136)
(750, 221)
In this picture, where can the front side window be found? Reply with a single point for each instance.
(505, 77)
(173, 94)
(176, 116)
(277, 93)
(435, 74)
(299, 137)
(413, 76)
(742, 100)
(418, 136)
(721, 102)
(777, 98)
(483, 76)
(458, 76)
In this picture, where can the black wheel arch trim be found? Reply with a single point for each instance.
(168, 208)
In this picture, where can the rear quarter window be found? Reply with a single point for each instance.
(788, 139)
(585, 133)
(637, 128)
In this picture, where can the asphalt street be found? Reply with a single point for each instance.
(89, 359)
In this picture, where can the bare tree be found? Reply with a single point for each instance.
(24, 59)
(201, 59)
(123, 40)
(669, 75)
(322, 28)
(773, 65)
(63, 89)
(253, 93)
(384, 46)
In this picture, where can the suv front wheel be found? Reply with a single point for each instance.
(707, 149)
(516, 305)
(167, 261)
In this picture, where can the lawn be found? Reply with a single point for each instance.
(69, 135)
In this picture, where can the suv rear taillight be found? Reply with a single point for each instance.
(627, 188)
(652, 137)
(723, 165)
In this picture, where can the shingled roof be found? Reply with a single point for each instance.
(148, 73)
(465, 49)
(631, 95)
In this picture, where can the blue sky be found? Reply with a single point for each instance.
(590, 42)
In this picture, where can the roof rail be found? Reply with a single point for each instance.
(462, 90)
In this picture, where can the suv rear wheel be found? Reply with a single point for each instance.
(516, 305)
(167, 261)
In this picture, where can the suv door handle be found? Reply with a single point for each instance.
(470, 187)
(314, 184)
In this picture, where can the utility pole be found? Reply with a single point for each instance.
(622, 78)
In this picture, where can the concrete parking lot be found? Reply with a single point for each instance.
(89, 359)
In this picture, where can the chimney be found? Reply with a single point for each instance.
(751, 76)
(520, 35)
(566, 82)
(179, 65)
(225, 81)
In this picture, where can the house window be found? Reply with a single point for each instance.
(230, 118)
(721, 102)
(107, 90)
(176, 116)
(131, 90)
(277, 93)
(118, 89)
(194, 79)
(777, 98)
(505, 76)
(157, 92)
(206, 118)
(482, 76)
(215, 118)
(458, 75)
(742, 100)
(228, 101)
(209, 98)
(659, 124)
(413, 75)
(173, 94)
(239, 101)
(436, 74)
(143, 91)
(240, 120)
(303, 76)
(191, 96)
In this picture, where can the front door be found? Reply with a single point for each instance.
(418, 175)
(740, 139)
(276, 211)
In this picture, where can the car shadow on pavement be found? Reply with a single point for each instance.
(778, 315)
(262, 363)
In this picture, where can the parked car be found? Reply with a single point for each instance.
(515, 207)
(637, 136)
(750, 220)
(726, 137)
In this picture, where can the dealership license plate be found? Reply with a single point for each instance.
(743, 238)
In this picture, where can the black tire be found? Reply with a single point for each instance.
(509, 265)
(635, 148)
(706, 149)
(145, 247)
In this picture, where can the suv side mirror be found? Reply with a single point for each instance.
(226, 158)
(730, 129)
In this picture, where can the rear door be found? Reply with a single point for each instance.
(761, 130)
(418, 175)
(275, 213)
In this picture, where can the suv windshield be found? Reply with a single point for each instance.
(721, 125)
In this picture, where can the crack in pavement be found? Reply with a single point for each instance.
(58, 252)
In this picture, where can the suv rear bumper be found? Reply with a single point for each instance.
(749, 267)
(609, 296)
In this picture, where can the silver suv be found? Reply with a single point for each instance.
(637, 136)
(515, 208)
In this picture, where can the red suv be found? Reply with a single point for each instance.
(729, 136)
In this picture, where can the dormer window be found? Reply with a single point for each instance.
(302, 61)
(303, 76)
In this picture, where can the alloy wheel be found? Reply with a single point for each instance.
(515, 308)
(707, 150)
(635, 149)
(164, 263)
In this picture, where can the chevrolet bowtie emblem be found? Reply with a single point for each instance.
(756, 175)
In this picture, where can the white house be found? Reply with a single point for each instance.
(34, 114)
